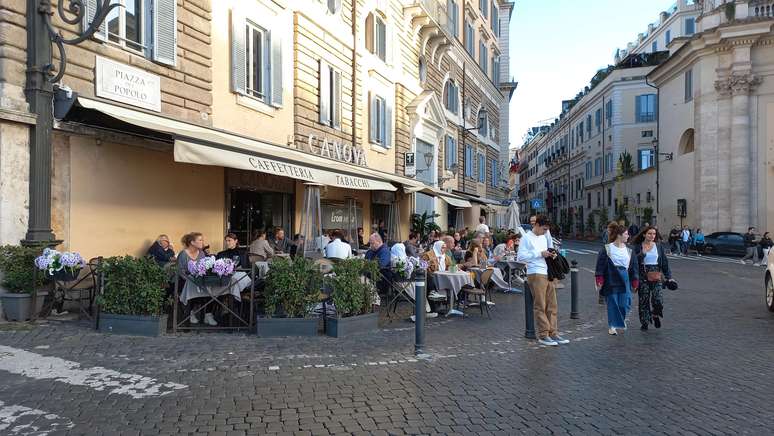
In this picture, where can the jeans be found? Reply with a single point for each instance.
(752, 253)
(684, 247)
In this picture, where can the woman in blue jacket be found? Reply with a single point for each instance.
(616, 275)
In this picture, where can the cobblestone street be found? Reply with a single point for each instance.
(707, 371)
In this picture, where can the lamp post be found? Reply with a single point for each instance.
(39, 90)
(657, 154)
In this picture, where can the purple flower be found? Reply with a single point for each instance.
(223, 267)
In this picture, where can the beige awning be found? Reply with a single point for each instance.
(205, 146)
(456, 202)
(443, 195)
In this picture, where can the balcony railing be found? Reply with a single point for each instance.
(437, 11)
(762, 8)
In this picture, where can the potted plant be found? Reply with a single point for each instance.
(132, 297)
(292, 290)
(353, 297)
(60, 266)
(18, 267)
(211, 271)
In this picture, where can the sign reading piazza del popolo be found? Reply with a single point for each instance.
(129, 85)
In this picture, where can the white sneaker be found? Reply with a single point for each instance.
(55, 312)
(548, 341)
(560, 340)
(756, 264)
(209, 320)
(611, 332)
(193, 319)
(743, 262)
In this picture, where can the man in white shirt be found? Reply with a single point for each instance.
(685, 239)
(533, 250)
(482, 228)
(337, 249)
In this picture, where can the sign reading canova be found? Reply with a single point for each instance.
(129, 85)
(333, 149)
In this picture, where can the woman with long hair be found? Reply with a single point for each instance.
(616, 275)
(653, 267)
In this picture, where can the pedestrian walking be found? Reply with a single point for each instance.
(699, 242)
(533, 250)
(685, 240)
(616, 275)
(653, 269)
(674, 237)
(752, 247)
(765, 245)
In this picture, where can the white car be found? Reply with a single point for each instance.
(770, 280)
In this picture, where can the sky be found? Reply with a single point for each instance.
(558, 45)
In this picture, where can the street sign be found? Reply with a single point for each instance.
(410, 167)
(537, 203)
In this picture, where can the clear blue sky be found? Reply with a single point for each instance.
(558, 45)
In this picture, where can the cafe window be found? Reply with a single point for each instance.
(335, 215)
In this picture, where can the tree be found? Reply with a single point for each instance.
(625, 164)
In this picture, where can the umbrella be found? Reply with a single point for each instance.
(513, 217)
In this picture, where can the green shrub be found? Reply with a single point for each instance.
(352, 293)
(132, 286)
(17, 264)
(293, 285)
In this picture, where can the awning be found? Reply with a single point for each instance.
(443, 195)
(205, 146)
(456, 202)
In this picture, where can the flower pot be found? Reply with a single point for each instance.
(213, 280)
(278, 327)
(64, 275)
(17, 307)
(137, 325)
(345, 327)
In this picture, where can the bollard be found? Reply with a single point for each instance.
(574, 289)
(419, 312)
(529, 313)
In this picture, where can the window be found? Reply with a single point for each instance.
(609, 197)
(599, 199)
(482, 55)
(483, 123)
(330, 96)
(690, 26)
(125, 24)
(422, 64)
(256, 61)
(598, 120)
(609, 163)
(483, 6)
(450, 153)
(588, 125)
(495, 17)
(688, 85)
(654, 46)
(648, 197)
(647, 133)
(145, 26)
(638, 198)
(597, 166)
(494, 173)
(334, 6)
(667, 38)
(468, 160)
(380, 121)
(588, 200)
(451, 97)
(580, 132)
(588, 170)
(645, 108)
(609, 113)
(376, 36)
(645, 158)
(470, 39)
(481, 168)
(454, 17)
(495, 70)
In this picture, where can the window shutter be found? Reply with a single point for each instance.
(637, 108)
(275, 68)
(91, 11)
(336, 90)
(325, 93)
(387, 125)
(371, 118)
(382, 39)
(165, 31)
(238, 52)
(369, 31)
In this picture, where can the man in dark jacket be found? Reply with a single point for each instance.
(233, 252)
(161, 251)
(751, 246)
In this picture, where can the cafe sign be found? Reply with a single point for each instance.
(129, 85)
(334, 149)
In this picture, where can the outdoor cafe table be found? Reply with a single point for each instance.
(511, 267)
(452, 282)
(238, 282)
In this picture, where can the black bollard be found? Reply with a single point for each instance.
(529, 314)
(574, 289)
(419, 312)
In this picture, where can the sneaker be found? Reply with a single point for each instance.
(611, 332)
(55, 312)
(548, 341)
(756, 264)
(560, 340)
(743, 262)
(490, 303)
(193, 319)
(210, 320)
(644, 327)
(657, 322)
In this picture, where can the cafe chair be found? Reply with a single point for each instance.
(481, 294)
(83, 290)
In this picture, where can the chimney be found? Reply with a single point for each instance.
(662, 17)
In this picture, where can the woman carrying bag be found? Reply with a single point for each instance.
(653, 267)
(616, 276)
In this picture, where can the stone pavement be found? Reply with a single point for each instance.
(708, 371)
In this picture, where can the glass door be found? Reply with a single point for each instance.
(255, 210)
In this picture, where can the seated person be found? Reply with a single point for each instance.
(297, 247)
(452, 256)
(459, 243)
(280, 243)
(162, 251)
(378, 251)
(361, 245)
(412, 245)
(436, 258)
(505, 248)
(260, 249)
(486, 246)
(337, 249)
(233, 252)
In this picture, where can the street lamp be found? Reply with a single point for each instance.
(482, 116)
(428, 162)
(657, 154)
(453, 170)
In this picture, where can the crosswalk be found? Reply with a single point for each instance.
(690, 258)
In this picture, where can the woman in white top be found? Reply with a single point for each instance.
(653, 267)
(616, 275)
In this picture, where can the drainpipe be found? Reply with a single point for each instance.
(354, 73)
(656, 152)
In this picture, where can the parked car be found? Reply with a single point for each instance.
(769, 281)
(729, 243)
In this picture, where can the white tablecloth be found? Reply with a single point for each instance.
(239, 282)
(453, 282)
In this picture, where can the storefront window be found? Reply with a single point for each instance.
(336, 216)
(252, 210)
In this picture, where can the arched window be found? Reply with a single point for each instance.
(686, 142)
(451, 97)
(376, 35)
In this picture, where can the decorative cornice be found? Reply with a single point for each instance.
(737, 84)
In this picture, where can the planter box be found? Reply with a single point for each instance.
(345, 327)
(17, 307)
(279, 327)
(137, 325)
